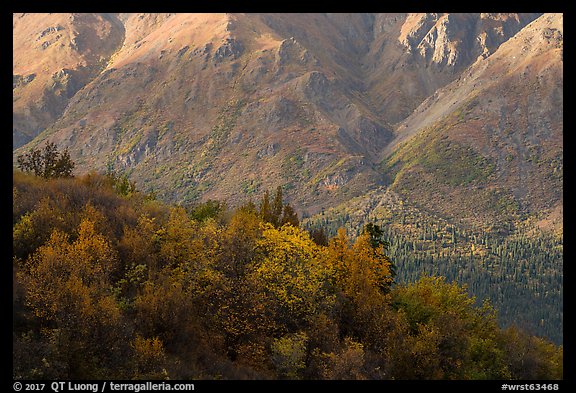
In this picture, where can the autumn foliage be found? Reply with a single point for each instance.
(116, 286)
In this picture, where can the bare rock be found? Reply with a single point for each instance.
(230, 49)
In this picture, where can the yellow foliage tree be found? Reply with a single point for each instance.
(289, 354)
(68, 286)
(150, 358)
(291, 274)
(71, 278)
(362, 278)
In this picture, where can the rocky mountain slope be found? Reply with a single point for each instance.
(491, 140)
(461, 114)
(54, 56)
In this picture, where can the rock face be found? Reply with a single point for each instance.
(413, 55)
(199, 106)
(504, 114)
(55, 55)
(456, 40)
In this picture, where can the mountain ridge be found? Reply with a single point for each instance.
(314, 102)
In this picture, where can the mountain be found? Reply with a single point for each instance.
(220, 106)
(199, 106)
(491, 140)
(54, 56)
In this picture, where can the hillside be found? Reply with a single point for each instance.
(55, 56)
(445, 129)
(491, 141)
(114, 285)
(198, 102)
(222, 106)
(519, 269)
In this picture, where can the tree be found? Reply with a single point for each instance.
(277, 212)
(457, 339)
(289, 216)
(249, 207)
(277, 206)
(361, 279)
(289, 354)
(149, 358)
(347, 363)
(376, 236)
(108, 286)
(377, 240)
(49, 163)
(209, 209)
(68, 289)
(372, 263)
(291, 276)
(265, 208)
(121, 183)
(358, 266)
(318, 235)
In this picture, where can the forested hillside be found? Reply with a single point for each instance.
(517, 267)
(112, 283)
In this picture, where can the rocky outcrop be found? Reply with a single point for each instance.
(457, 40)
(230, 49)
(291, 51)
(21, 80)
